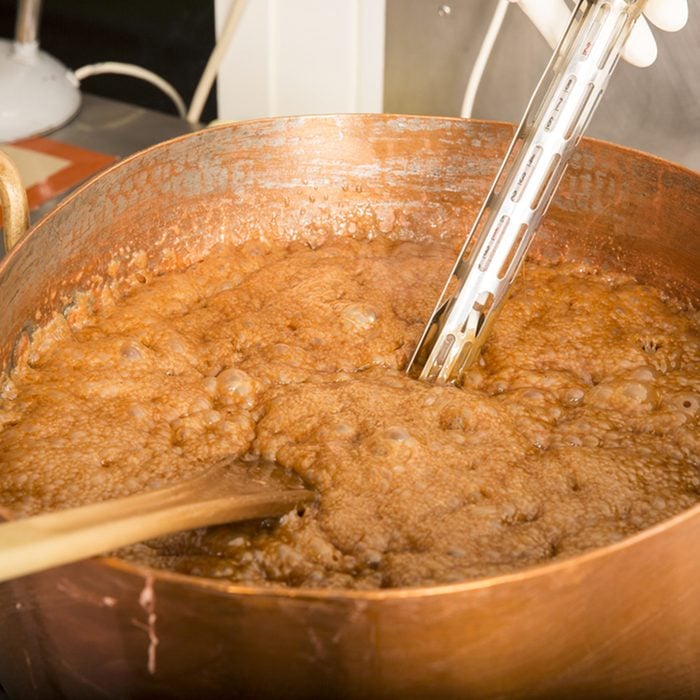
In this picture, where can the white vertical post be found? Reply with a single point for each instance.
(303, 57)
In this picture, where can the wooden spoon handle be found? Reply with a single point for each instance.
(43, 541)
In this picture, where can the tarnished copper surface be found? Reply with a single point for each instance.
(623, 621)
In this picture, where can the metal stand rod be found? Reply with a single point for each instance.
(27, 25)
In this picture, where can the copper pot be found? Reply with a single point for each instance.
(617, 622)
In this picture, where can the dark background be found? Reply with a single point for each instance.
(173, 38)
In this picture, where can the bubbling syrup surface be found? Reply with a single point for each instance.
(577, 428)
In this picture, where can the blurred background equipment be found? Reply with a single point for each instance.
(37, 92)
(430, 53)
(310, 56)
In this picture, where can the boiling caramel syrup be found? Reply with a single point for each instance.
(577, 428)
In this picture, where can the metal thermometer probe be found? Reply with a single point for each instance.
(556, 117)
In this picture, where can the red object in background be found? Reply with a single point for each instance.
(81, 165)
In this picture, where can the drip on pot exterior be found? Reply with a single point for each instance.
(577, 428)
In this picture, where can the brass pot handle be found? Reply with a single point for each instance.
(13, 200)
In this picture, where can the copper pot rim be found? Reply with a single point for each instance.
(388, 594)
(322, 118)
(391, 116)
(552, 569)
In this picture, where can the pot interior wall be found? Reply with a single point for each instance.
(314, 177)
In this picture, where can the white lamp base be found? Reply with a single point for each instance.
(37, 93)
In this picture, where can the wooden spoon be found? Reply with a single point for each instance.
(224, 493)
